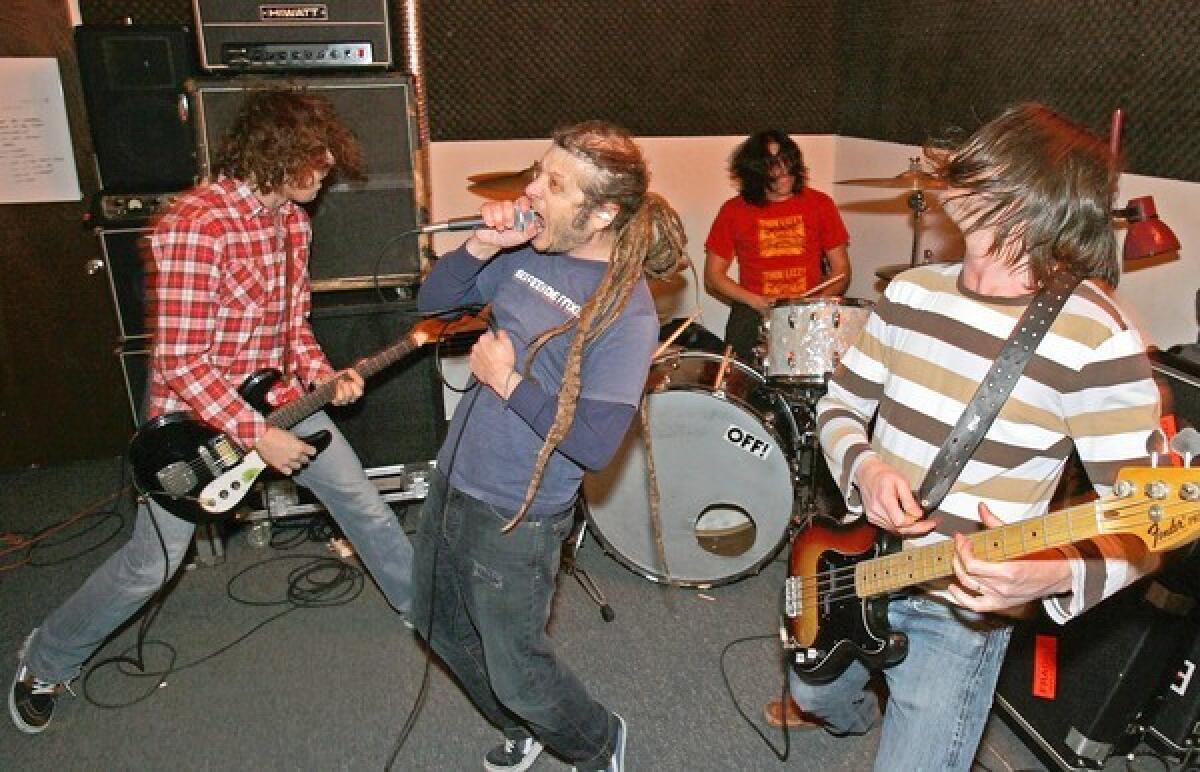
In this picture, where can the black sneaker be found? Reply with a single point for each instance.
(512, 755)
(31, 700)
(616, 762)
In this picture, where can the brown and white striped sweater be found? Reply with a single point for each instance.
(919, 361)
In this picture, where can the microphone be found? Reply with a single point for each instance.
(523, 219)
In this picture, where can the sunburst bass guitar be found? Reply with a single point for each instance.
(839, 579)
(200, 474)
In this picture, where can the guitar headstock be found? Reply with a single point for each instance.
(431, 329)
(1159, 505)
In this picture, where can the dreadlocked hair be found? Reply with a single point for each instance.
(649, 241)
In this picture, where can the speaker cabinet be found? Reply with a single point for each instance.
(133, 80)
(125, 252)
(400, 418)
(1075, 691)
(135, 363)
(360, 229)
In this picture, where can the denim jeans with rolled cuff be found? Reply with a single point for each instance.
(482, 600)
(939, 696)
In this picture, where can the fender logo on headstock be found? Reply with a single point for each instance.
(1158, 532)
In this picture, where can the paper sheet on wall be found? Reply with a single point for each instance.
(36, 159)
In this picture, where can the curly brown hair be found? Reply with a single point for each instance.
(281, 135)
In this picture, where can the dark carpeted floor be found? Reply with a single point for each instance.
(331, 688)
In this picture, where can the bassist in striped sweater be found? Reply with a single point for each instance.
(1032, 193)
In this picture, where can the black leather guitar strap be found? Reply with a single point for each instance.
(993, 392)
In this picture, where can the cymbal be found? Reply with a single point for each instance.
(500, 186)
(889, 272)
(913, 179)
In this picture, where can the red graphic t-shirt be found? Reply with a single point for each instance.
(778, 246)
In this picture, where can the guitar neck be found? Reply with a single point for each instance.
(297, 410)
(906, 568)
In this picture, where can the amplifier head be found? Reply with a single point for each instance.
(291, 36)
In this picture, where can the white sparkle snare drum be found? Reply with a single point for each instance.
(807, 337)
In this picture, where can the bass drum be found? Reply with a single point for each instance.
(724, 477)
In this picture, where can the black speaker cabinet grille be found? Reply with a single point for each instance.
(359, 228)
(401, 417)
(125, 252)
(133, 80)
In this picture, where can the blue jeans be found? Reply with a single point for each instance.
(118, 588)
(482, 599)
(939, 696)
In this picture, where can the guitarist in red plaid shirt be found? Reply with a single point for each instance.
(228, 296)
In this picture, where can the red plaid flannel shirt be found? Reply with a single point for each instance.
(217, 308)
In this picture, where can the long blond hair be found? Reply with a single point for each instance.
(649, 240)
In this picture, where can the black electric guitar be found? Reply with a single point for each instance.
(201, 474)
(836, 594)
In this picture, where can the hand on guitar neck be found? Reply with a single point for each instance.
(1005, 586)
(348, 386)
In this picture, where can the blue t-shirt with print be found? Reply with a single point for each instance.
(489, 451)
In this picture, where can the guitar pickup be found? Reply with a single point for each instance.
(218, 455)
(793, 596)
(177, 478)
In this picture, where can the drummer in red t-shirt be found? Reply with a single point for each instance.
(786, 238)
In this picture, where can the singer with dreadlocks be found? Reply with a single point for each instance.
(557, 384)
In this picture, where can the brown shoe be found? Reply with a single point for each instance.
(773, 712)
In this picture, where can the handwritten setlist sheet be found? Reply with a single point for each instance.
(36, 160)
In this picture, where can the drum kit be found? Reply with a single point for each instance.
(734, 451)
(732, 447)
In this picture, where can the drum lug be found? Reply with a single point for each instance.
(791, 319)
(837, 319)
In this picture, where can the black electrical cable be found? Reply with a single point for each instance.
(321, 581)
(787, 738)
(410, 721)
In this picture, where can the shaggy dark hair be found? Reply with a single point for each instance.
(749, 164)
(281, 135)
(1046, 180)
(649, 241)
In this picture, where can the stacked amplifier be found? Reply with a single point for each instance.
(1122, 678)
(159, 99)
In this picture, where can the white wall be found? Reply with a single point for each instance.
(691, 173)
(1161, 299)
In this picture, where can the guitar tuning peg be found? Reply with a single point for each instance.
(1187, 444)
(1156, 445)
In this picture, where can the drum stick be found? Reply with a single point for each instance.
(719, 383)
(666, 343)
(831, 280)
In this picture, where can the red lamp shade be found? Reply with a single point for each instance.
(1146, 235)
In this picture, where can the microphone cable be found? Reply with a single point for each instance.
(410, 721)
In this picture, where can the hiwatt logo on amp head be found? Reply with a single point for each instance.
(307, 12)
(752, 444)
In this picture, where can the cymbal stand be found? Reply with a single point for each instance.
(916, 202)
(804, 448)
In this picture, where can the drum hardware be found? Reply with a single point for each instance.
(500, 186)
(918, 181)
(571, 567)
